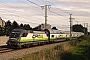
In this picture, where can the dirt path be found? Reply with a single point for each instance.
(3, 40)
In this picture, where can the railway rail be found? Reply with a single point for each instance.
(5, 48)
(17, 53)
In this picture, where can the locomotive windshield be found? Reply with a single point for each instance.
(14, 34)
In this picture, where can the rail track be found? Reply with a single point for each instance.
(7, 53)
(4, 49)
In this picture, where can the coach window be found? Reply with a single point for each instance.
(52, 35)
(24, 34)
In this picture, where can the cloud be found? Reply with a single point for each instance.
(34, 15)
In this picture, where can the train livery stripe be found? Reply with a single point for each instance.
(36, 39)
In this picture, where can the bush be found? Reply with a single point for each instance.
(65, 55)
(73, 42)
(80, 39)
(83, 51)
(84, 37)
(2, 33)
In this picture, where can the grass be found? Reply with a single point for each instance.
(74, 50)
(51, 54)
(42, 55)
(81, 50)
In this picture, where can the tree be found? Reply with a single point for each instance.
(7, 27)
(21, 26)
(27, 27)
(1, 31)
(79, 28)
(15, 25)
(54, 28)
(10, 26)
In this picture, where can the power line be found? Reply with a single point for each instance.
(9, 11)
(53, 11)
(34, 3)
(28, 4)
(56, 13)
(41, 7)
(47, 1)
(22, 21)
(55, 6)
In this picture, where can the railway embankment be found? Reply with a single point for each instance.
(25, 51)
(78, 49)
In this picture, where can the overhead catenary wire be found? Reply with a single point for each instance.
(56, 13)
(55, 6)
(57, 9)
(11, 12)
(22, 21)
(8, 5)
(53, 11)
(40, 7)
(34, 3)
(29, 4)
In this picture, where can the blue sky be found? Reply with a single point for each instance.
(10, 1)
(26, 12)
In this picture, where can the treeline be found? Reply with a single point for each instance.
(10, 26)
(80, 28)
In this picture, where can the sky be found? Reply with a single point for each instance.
(30, 12)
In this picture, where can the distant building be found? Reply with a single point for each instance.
(2, 23)
(42, 26)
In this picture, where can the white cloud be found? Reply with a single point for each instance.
(34, 15)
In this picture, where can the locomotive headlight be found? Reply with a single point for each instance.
(13, 39)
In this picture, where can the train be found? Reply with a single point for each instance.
(19, 38)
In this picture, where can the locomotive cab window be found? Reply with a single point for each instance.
(14, 34)
(24, 34)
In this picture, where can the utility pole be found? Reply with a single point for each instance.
(84, 28)
(71, 26)
(46, 8)
(87, 28)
